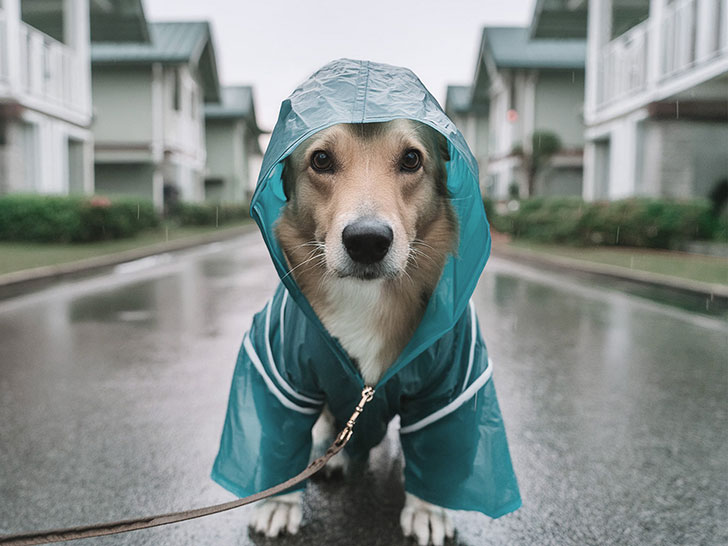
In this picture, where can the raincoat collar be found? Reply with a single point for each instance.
(352, 91)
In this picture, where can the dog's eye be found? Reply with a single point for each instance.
(411, 161)
(321, 161)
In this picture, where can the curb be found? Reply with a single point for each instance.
(560, 263)
(18, 282)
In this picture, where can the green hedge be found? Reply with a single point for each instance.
(208, 214)
(638, 222)
(72, 219)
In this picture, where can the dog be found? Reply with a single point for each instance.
(366, 232)
(369, 204)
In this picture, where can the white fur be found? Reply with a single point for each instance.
(425, 522)
(323, 433)
(278, 514)
(352, 316)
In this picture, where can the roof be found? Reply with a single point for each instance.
(236, 102)
(118, 21)
(170, 42)
(559, 19)
(457, 99)
(568, 18)
(511, 47)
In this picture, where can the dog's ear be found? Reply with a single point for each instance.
(443, 157)
(442, 147)
(287, 179)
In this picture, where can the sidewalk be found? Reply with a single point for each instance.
(24, 280)
(30, 279)
(540, 255)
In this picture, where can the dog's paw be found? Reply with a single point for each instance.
(278, 514)
(427, 523)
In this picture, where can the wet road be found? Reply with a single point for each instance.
(113, 391)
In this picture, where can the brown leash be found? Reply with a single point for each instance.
(124, 526)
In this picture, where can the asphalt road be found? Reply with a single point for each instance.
(113, 391)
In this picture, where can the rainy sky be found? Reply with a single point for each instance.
(275, 44)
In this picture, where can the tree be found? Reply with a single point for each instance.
(544, 145)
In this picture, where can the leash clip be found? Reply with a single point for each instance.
(366, 396)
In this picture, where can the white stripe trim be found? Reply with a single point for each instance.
(273, 367)
(282, 313)
(473, 333)
(464, 396)
(271, 386)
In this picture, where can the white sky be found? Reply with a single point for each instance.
(275, 44)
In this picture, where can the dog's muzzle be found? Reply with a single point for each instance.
(367, 240)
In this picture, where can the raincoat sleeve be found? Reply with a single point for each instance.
(266, 438)
(453, 437)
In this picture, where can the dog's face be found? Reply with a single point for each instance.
(363, 196)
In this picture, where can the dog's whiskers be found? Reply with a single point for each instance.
(314, 254)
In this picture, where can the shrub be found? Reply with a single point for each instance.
(43, 218)
(639, 222)
(208, 214)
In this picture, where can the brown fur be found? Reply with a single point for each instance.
(367, 180)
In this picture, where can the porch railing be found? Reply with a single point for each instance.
(48, 69)
(3, 48)
(691, 34)
(693, 31)
(623, 64)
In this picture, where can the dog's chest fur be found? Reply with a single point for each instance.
(354, 314)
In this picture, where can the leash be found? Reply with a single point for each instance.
(125, 526)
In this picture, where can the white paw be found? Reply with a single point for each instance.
(427, 523)
(278, 514)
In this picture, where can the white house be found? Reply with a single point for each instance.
(233, 151)
(656, 108)
(45, 97)
(523, 86)
(149, 122)
(472, 120)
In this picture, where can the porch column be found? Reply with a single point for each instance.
(655, 45)
(12, 44)
(707, 27)
(599, 33)
(76, 35)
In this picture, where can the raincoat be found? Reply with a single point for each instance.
(452, 432)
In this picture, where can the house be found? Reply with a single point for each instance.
(45, 96)
(656, 107)
(524, 86)
(472, 120)
(233, 151)
(149, 122)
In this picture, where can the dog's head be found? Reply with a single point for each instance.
(366, 200)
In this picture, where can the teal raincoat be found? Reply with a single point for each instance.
(452, 433)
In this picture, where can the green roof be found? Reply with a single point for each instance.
(170, 42)
(568, 18)
(118, 21)
(559, 19)
(457, 99)
(511, 47)
(236, 102)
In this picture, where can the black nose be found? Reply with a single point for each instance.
(367, 240)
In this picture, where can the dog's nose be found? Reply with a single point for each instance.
(367, 240)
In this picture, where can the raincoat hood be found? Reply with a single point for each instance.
(349, 91)
(289, 368)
